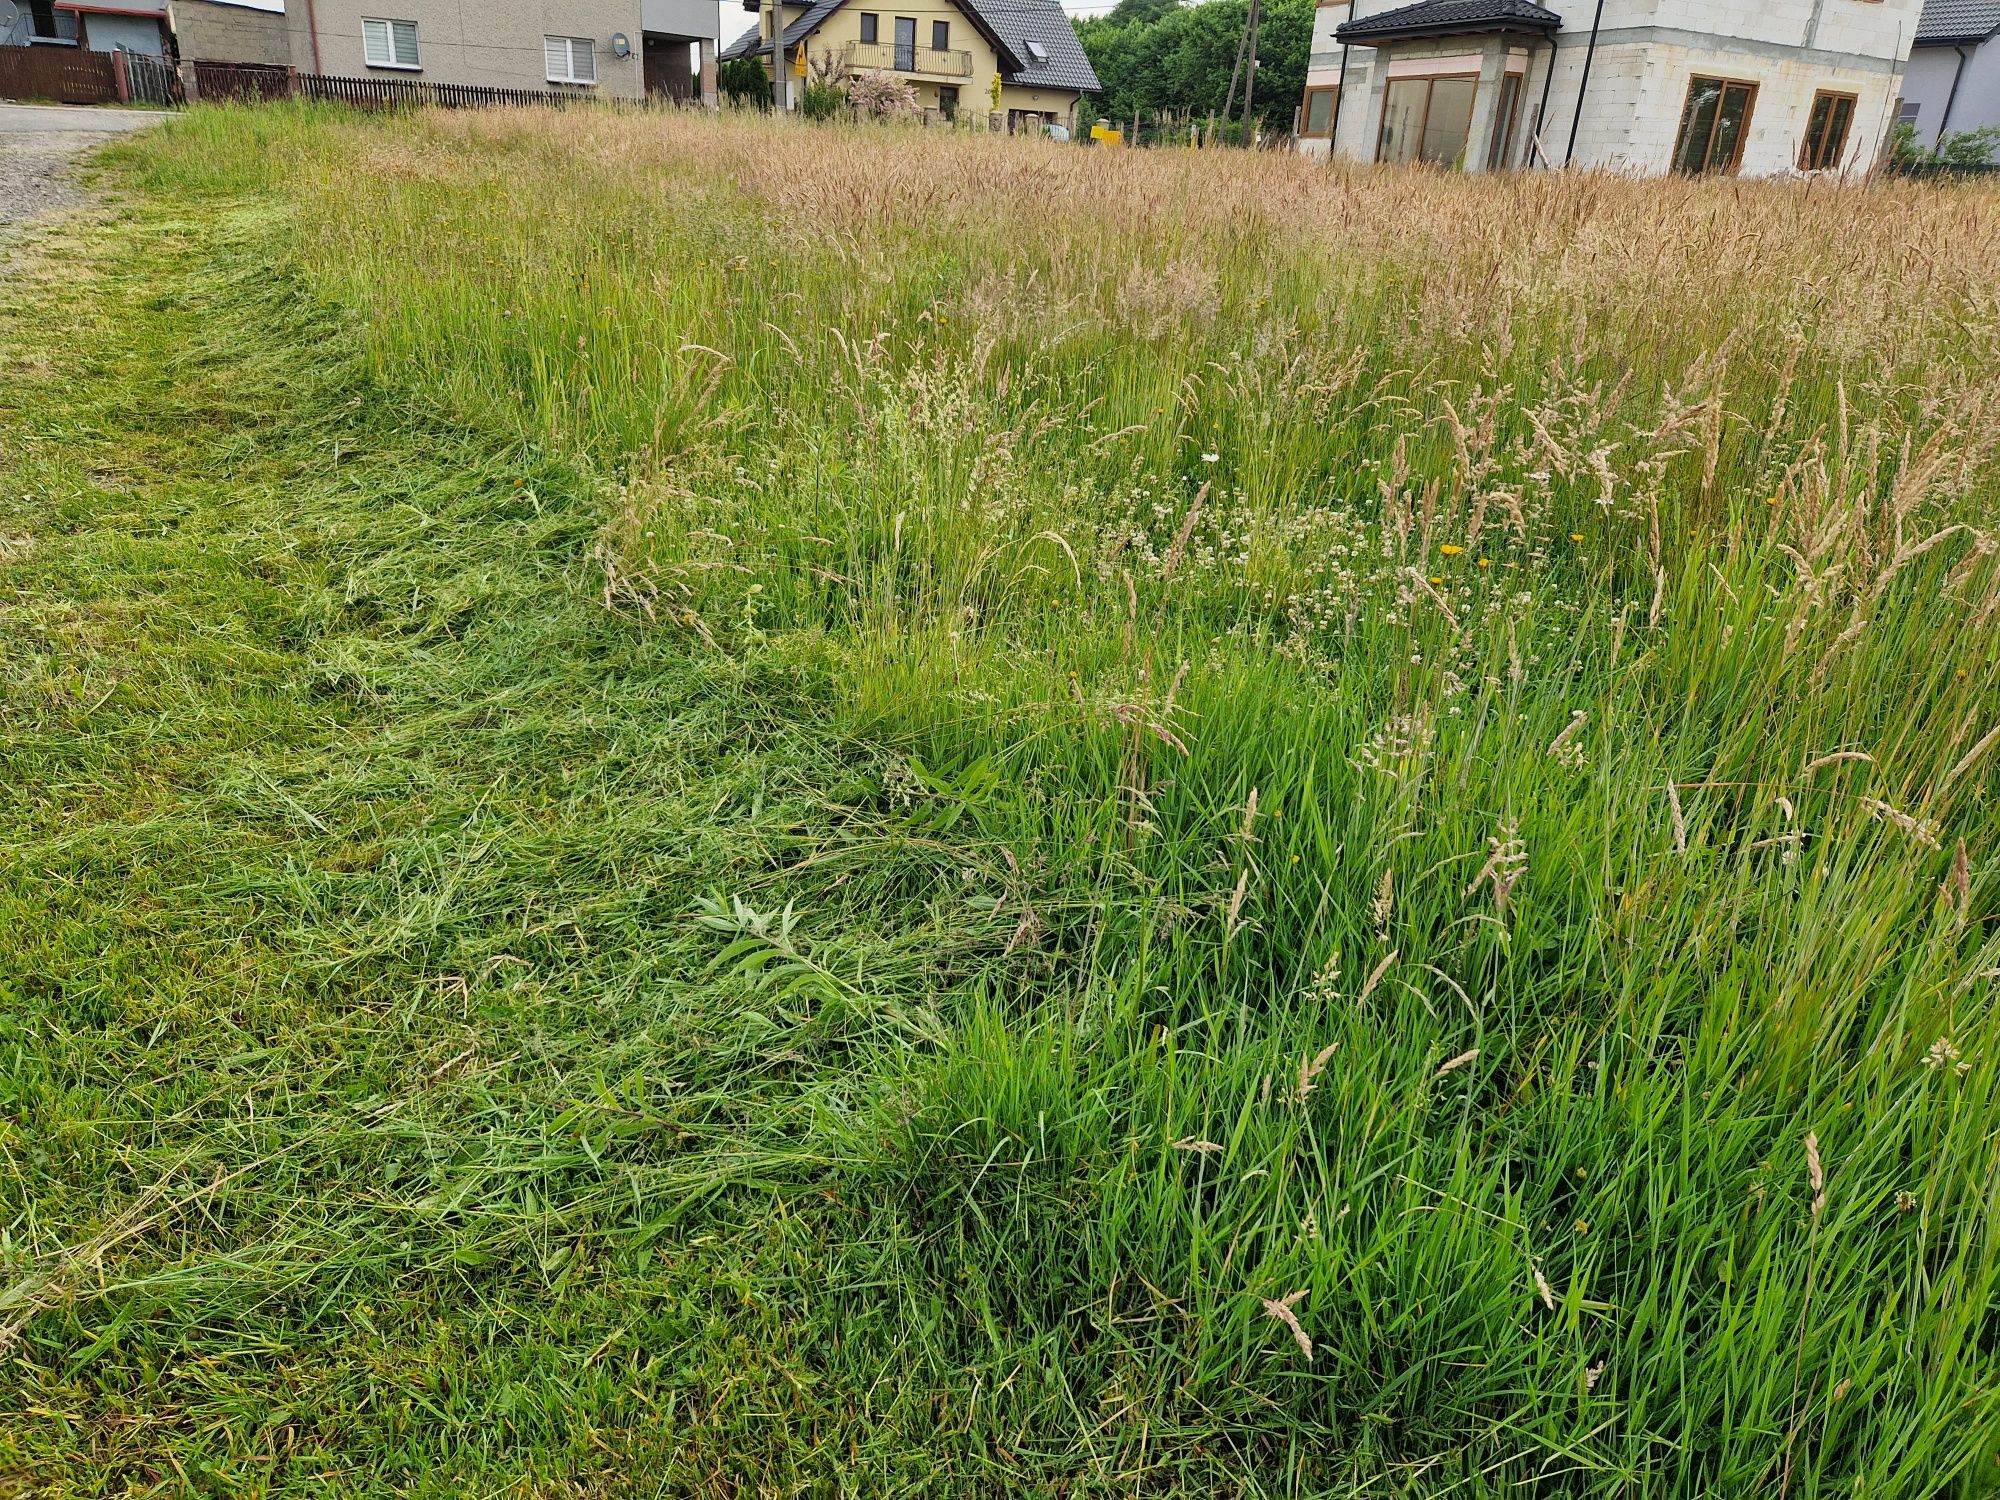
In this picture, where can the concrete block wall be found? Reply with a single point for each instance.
(1637, 95)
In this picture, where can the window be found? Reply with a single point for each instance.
(948, 100)
(1907, 111)
(1037, 53)
(1316, 118)
(906, 44)
(940, 35)
(1500, 154)
(389, 44)
(871, 27)
(1427, 119)
(1826, 132)
(1713, 124)
(571, 59)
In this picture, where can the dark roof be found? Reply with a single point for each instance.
(1449, 18)
(1023, 26)
(1017, 28)
(807, 22)
(1947, 21)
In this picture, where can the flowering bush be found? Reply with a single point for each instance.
(881, 96)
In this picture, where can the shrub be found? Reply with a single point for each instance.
(823, 101)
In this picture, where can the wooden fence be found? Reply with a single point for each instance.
(71, 75)
(67, 75)
(242, 81)
(395, 93)
(214, 80)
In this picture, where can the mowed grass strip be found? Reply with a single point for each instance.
(791, 807)
(372, 1120)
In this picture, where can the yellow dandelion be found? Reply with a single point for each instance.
(1576, 536)
(1451, 549)
(1485, 562)
(1435, 579)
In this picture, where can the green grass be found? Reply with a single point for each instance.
(670, 835)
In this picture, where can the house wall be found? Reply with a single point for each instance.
(691, 18)
(1059, 102)
(842, 30)
(1648, 51)
(1656, 83)
(209, 31)
(488, 43)
(1927, 84)
(1323, 65)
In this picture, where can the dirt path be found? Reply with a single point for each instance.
(37, 145)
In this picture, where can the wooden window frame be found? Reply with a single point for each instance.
(1742, 134)
(1500, 149)
(1431, 80)
(1833, 97)
(1423, 120)
(1332, 111)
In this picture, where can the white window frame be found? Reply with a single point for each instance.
(570, 44)
(388, 33)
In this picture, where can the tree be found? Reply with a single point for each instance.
(1160, 55)
(745, 80)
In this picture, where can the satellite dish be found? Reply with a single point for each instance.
(621, 45)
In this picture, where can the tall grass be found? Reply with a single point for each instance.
(1440, 917)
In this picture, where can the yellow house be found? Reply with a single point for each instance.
(1017, 60)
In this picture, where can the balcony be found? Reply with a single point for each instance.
(45, 28)
(925, 62)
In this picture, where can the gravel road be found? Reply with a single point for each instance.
(37, 145)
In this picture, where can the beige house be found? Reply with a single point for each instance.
(1017, 60)
(623, 49)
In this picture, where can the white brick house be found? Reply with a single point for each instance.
(1639, 86)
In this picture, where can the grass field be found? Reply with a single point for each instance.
(705, 809)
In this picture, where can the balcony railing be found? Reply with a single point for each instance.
(935, 62)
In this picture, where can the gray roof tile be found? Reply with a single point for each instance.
(1958, 21)
(1443, 17)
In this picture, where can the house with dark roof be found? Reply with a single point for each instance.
(1637, 86)
(1013, 62)
(1953, 81)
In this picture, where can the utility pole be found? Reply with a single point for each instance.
(778, 56)
(1250, 71)
(1242, 41)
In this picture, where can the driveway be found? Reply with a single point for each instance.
(37, 144)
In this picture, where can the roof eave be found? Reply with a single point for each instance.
(1454, 28)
